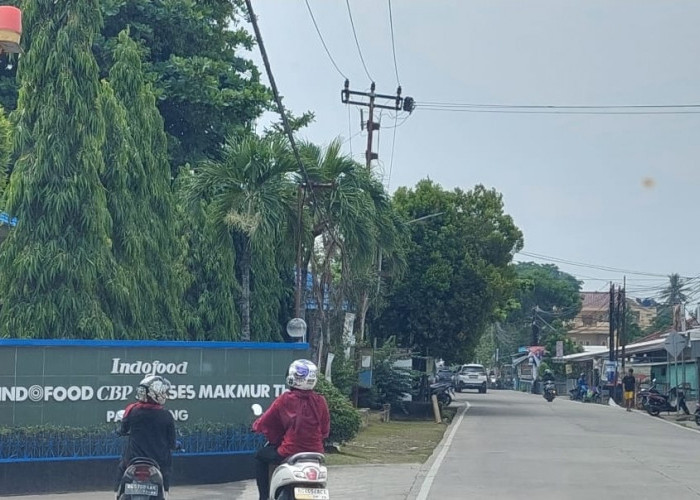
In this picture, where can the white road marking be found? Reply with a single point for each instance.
(430, 477)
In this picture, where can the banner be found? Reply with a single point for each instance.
(82, 383)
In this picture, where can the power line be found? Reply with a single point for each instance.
(547, 106)
(517, 111)
(593, 266)
(357, 42)
(323, 42)
(393, 43)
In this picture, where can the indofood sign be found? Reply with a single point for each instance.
(81, 383)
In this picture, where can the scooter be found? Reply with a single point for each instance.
(444, 392)
(300, 477)
(549, 392)
(142, 480)
(656, 403)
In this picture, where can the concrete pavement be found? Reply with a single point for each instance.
(391, 482)
(514, 445)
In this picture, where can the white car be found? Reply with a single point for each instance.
(472, 376)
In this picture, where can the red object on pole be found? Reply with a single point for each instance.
(10, 29)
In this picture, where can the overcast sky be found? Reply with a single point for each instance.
(612, 190)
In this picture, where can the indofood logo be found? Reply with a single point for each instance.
(120, 367)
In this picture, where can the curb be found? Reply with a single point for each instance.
(425, 468)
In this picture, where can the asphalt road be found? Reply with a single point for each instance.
(511, 445)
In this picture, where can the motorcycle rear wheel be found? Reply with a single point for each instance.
(653, 411)
(697, 419)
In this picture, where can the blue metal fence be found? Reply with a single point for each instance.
(56, 445)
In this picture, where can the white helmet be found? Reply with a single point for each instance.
(153, 387)
(302, 374)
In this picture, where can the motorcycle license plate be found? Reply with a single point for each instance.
(311, 494)
(146, 489)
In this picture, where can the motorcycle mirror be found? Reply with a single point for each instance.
(257, 409)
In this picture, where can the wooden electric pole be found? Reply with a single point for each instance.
(373, 101)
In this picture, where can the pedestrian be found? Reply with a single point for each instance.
(628, 385)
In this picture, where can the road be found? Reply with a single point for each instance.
(512, 445)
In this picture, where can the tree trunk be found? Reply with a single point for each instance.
(245, 260)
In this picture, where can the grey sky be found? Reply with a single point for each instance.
(573, 183)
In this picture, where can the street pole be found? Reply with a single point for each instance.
(611, 319)
(623, 327)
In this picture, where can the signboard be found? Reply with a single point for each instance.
(83, 383)
(675, 343)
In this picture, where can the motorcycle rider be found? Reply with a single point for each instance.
(581, 386)
(297, 421)
(150, 427)
(548, 376)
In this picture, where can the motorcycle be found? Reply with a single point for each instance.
(444, 392)
(643, 395)
(697, 414)
(299, 477)
(578, 393)
(672, 401)
(142, 480)
(550, 391)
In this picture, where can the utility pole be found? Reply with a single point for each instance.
(373, 101)
(623, 325)
(611, 319)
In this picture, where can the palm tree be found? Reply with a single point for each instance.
(251, 194)
(351, 220)
(675, 292)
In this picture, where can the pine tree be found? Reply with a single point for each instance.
(123, 170)
(5, 148)
(161, 277)
(57, 262)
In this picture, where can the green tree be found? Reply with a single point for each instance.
(251, 194)
(460, 277)
(122, 164)
(347, 220)
(213, 290)
(196, 53)
(674, 293)
(5, 149)
(161, 276)
(546, 292)
(56, 264)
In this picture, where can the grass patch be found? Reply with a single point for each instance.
(395, 442)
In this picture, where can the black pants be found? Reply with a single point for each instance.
(263, 458)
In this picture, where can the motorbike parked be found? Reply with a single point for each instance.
(549, 392)
(444, 392)
(697, 414)
(672, 401)
(301, 476)
(586, 394)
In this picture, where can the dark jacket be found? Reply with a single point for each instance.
(151, 431)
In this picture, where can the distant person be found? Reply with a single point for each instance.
(628, 386)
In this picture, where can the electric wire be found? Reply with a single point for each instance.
(323, 42)
(420, 107)
(393, 43)
(357, 42)
(592, 266)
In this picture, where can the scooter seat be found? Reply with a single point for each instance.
(299, 457)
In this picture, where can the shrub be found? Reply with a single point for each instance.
(345, 420)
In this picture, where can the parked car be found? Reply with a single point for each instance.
(472, 376)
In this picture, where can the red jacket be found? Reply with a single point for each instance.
(297, 421)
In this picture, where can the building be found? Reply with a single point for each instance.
(591, 327)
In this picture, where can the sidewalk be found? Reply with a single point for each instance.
(391, 482)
